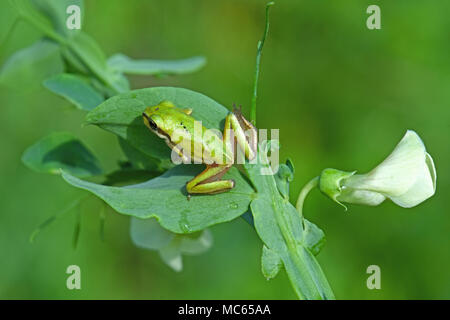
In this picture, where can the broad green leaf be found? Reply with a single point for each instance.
(55, 10)
(36, 62)
(61, 151)
(75, 89)
(148, 234)
(165, 198)
(129, 176)
(270, 263)
(122, 115)
(122, 63)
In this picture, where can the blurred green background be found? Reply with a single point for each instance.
(341, 95)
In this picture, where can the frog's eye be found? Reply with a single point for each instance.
(152, 124)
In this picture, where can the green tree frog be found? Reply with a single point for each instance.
(177, 127)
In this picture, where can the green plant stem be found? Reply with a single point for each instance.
(102, 220)
(76, 232)
(50, 220)
(304, 192)
(258, 62)
(9, 33)
(52, 35)
(277, 223)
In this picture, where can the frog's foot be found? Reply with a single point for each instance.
(208, 181)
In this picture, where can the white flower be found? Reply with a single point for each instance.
(407, 177)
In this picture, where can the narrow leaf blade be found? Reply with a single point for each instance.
(270, 263)
(313, 237)
(74, 89)
(122, 63)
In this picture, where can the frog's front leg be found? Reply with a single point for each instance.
(208, 181)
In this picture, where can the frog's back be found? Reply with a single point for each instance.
(179, 128)
(192, 132)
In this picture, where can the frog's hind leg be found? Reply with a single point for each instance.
(208, 181)
(244, 132)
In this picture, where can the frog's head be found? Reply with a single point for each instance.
(154, 118)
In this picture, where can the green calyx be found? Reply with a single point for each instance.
(330, 183)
